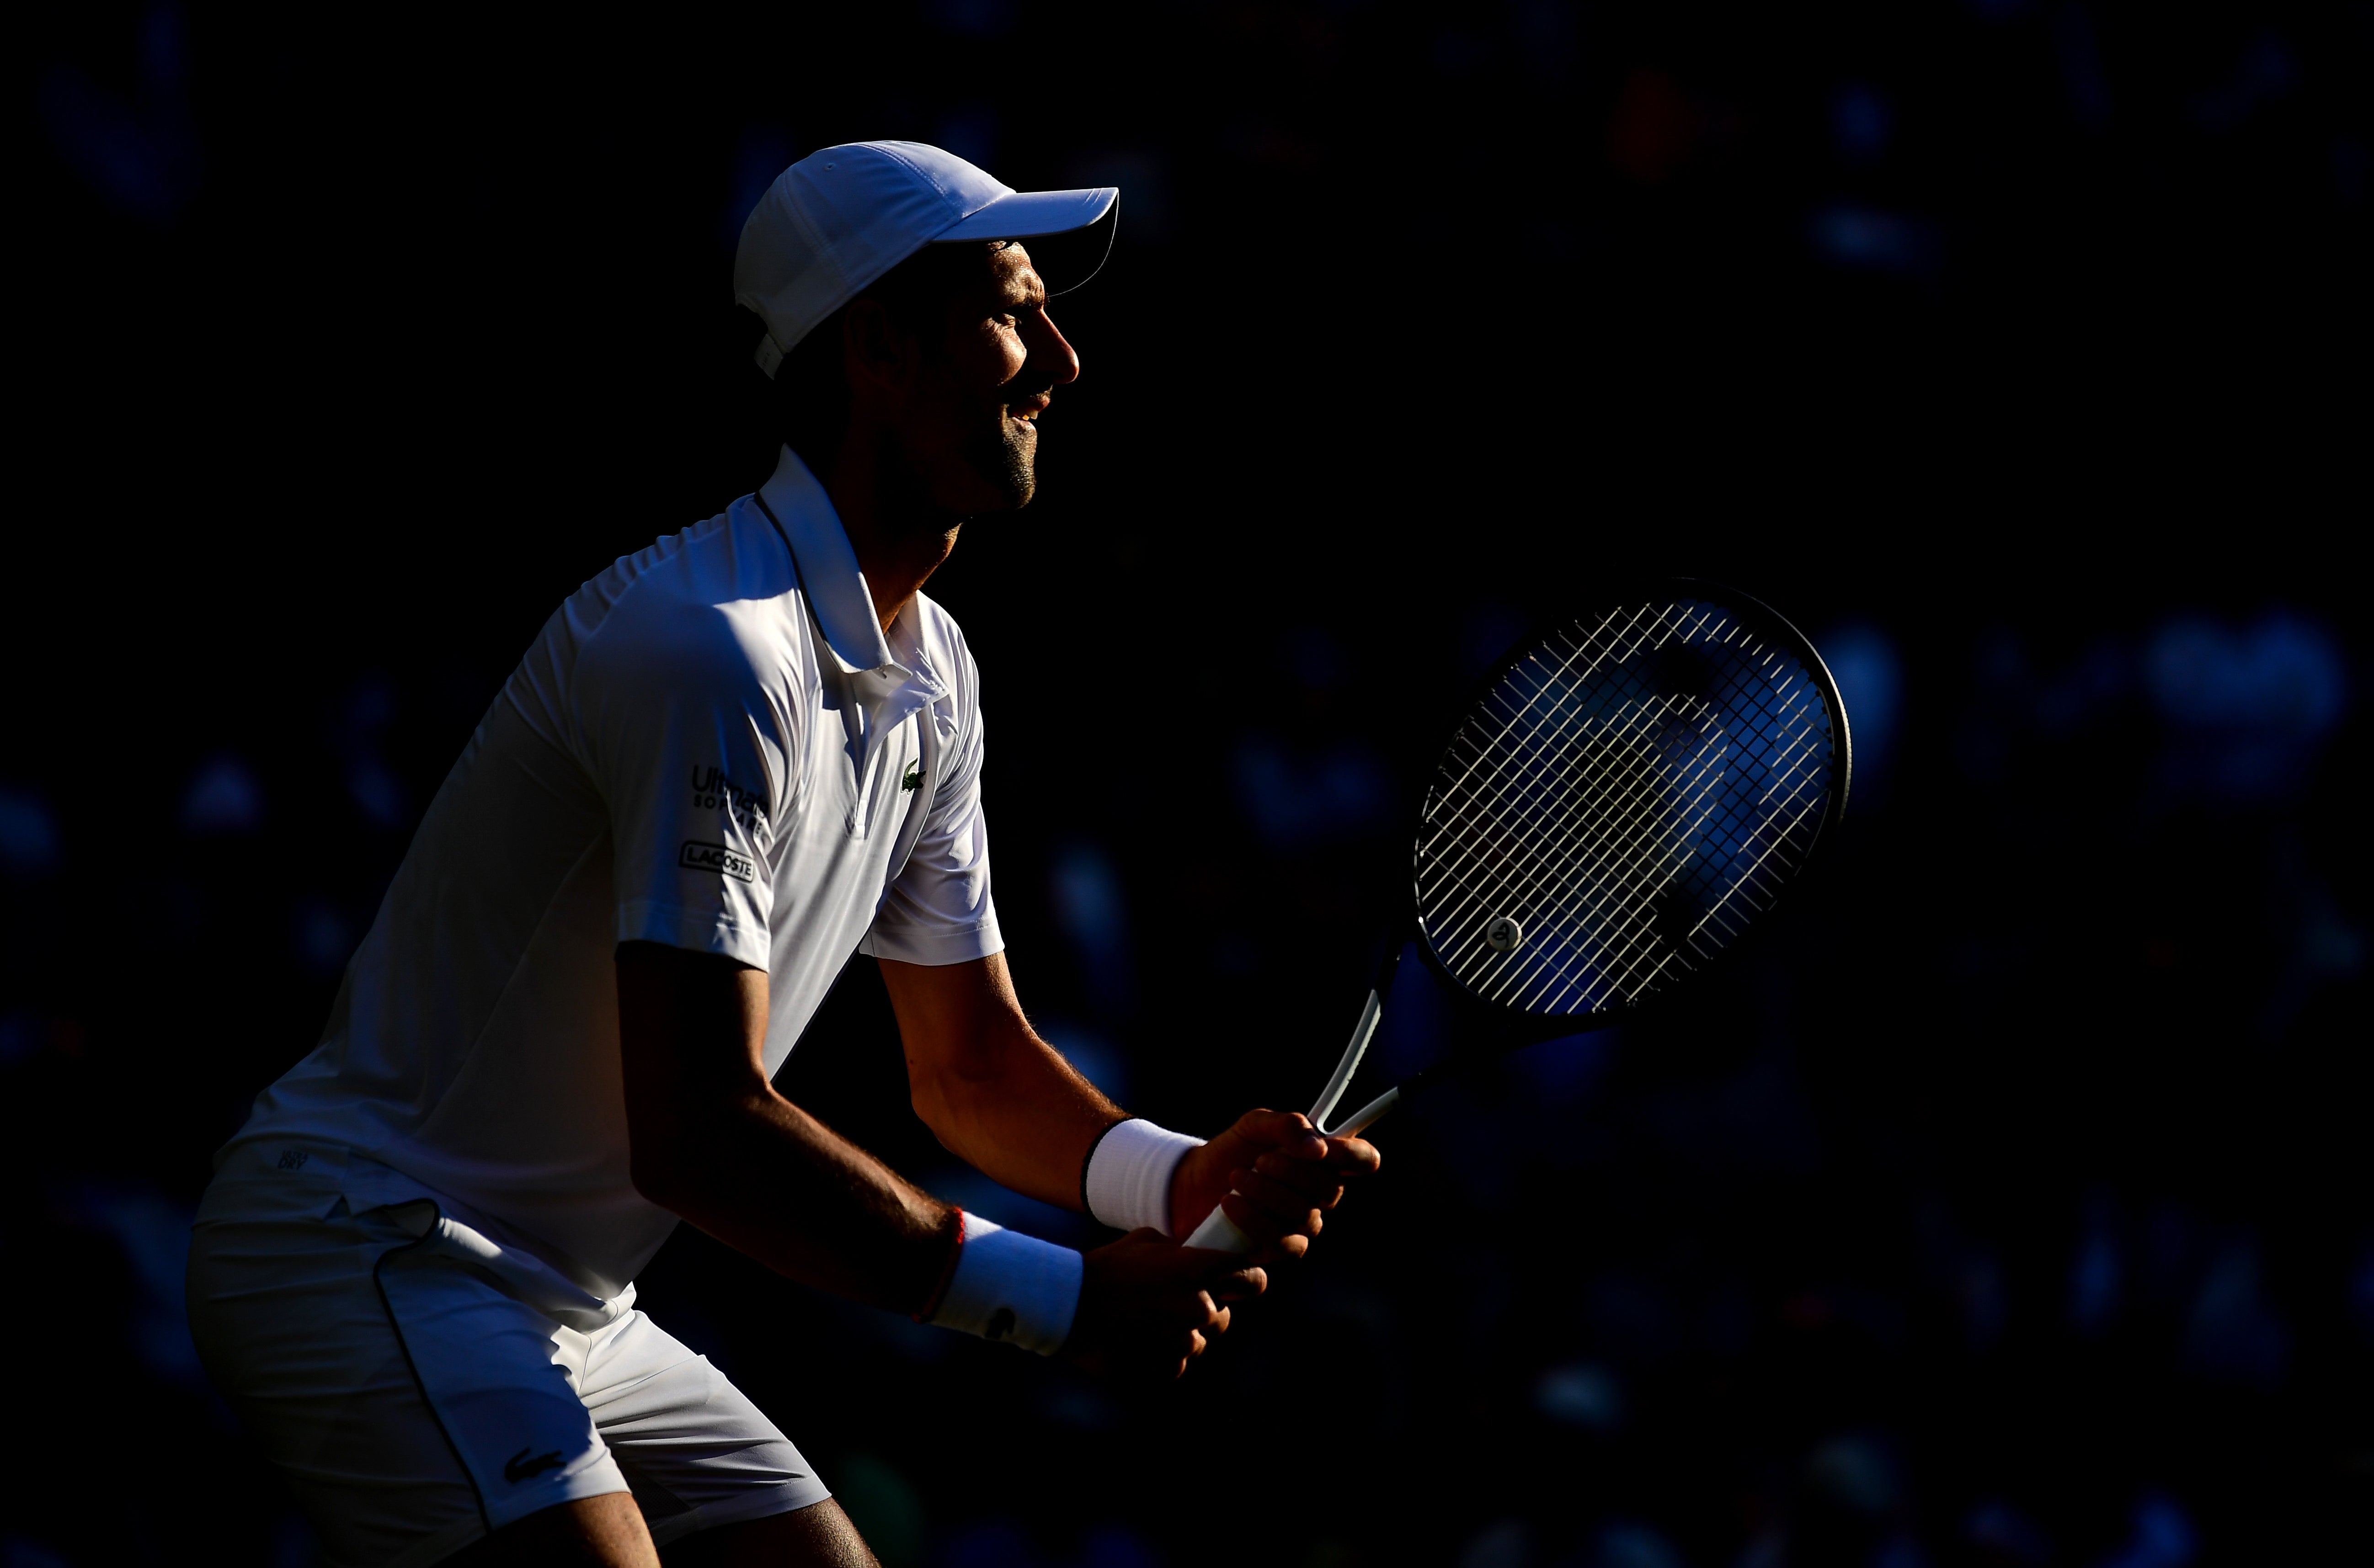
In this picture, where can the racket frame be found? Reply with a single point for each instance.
(1484, 1031)
(1500, 1029)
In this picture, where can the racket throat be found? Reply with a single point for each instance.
(1362, 1033)
(1367, 1116)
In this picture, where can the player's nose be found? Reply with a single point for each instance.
(1050, 349)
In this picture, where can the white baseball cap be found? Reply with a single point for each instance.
(838, 219)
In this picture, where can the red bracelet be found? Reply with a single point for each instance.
(948, 1272)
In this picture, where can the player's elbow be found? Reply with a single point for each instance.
(928, 1095)
(657, 1165)
(953, 1103)
(669, 1153)
(687, 1150)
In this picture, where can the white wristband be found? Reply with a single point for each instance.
(1128, 1179)
(1012, 1287)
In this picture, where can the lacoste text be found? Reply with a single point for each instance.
(700, 857)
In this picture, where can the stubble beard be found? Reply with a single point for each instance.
(999, 460)
(993, 473)
(1004, 460)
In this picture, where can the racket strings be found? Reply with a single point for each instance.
(1599, 809)
(1606, 832)
(1592, 819)
(1503, 744)
(1625, 855)
(1625, 867)
(1626, 822)
(1629, 870)
(1632, 926)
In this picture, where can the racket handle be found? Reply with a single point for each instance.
(1220, 1233)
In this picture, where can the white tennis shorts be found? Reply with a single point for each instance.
(420, 1385)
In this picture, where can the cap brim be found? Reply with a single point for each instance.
(1026, 215)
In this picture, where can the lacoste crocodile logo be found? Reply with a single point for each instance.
(519, 1466)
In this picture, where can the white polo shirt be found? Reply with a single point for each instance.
(712, 744)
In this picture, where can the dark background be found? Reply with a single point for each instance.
(2008, 1205)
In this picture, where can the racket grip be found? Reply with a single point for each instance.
(1220, 1233)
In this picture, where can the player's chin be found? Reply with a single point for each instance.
(1020, 478)
(1005, 478)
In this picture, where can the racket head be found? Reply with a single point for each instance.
(1626, 794)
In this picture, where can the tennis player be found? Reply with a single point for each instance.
(728, 763)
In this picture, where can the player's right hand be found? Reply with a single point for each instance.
(1149, 1306)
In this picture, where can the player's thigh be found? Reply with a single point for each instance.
(818, 1536)
(410, 1403)
(713, 1479)
(699, 1456)
(294, 1335)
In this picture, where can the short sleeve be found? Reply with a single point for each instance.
(938, 909)
(687, 744)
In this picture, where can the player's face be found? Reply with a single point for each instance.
(973, 431)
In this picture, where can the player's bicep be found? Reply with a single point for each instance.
(691, 751)
(955, 1021)
(691, 1037)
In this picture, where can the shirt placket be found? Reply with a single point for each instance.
(880, 701)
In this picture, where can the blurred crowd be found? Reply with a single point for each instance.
(2005, 1205)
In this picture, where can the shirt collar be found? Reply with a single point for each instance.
(836, 589)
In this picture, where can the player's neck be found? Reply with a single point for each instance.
(899, 536)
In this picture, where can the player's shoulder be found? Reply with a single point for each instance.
(733, 558)
(718, 601)
(944, 646)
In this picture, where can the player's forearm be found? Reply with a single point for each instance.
(996, 1095)
(769, 1180)
(709, 1140)
(1021, 1116)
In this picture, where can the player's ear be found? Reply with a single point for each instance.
(875, 352)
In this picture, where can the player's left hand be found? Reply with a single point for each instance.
(1276, 1176)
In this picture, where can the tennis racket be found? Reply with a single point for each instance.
(1629, 792)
